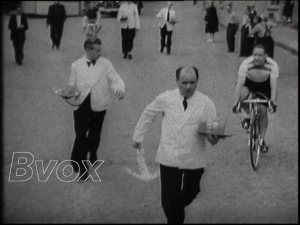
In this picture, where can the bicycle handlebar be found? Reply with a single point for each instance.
(254, 94)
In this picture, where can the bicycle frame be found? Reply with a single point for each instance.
(254, 136)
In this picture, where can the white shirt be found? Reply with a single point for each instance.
(94, 79)
(18, 20)
(162, 16)
(180, 144)
(130, 11)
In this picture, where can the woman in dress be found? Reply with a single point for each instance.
(211, 20)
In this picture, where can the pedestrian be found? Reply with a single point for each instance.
(194, 2)
(211, 20)
(55, 19)
(139, 5)
(287, 12)
(167, 21)
(262, 31)
(130, 23)
(92, 21)
(90, 75)
(18, 26)
(247, 40)
(181, 152)
(231, 29)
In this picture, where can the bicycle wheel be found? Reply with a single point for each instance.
(254, 142)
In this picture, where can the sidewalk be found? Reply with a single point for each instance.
(284, 37)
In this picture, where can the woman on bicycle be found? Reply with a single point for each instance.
(257, 73)
(92, 21)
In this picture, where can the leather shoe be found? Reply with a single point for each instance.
(82, 178)
(129, 56)
(93, 157)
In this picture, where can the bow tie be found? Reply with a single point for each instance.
(89, 63)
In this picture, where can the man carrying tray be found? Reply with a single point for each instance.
(89, 81)
(181, 152)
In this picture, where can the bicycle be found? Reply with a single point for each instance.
(254, 134)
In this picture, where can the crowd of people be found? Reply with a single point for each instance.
(181, 152)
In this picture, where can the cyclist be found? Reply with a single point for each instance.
(92, 21)
(257, 73)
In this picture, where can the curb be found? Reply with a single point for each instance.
(277, 43)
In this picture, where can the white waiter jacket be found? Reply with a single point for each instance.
(180, 144)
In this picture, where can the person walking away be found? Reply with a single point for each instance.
(231, 29)
(211, 20)
(18, 26)
(92, 21)
(55, 19)
(130, 23)
(181, 152)
(167, 21)
(92, 75)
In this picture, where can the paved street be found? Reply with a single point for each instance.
(37, 121)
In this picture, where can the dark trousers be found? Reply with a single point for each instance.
(230, 36)
(163, 34)
(127, 40)
(88, 125)
(179, 187)
(18, 48)
(56, 32)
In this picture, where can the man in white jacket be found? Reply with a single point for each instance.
(181, 152)
(91, 76)
(130, 23)
(166, 18)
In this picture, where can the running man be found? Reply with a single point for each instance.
(257, 73)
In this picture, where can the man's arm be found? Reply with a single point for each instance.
(117, 84)
(146, 118)
(273, 81)
(49, 16)
(25, 22)
(136, 18)
(72, 78)
(64, 13)
(242, 73)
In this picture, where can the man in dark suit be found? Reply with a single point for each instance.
(18, 25)
(55, 18)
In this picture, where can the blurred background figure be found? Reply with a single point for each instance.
(166, 18)
(211, 20)
(139, 5)
(18, 25)
(247, 40)
(221, 2)
(92, 21)
(287, 12)
(262, 32)
(56, 18)
(130, 23)
(232, 27)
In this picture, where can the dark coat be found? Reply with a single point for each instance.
(17, 33)
(211, 19)
(56, 15)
